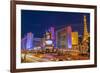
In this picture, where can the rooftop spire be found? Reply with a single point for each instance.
(85, 33)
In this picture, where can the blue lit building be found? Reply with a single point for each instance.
(23, 43)
(29, 42)
(53, 35)
(69, 36)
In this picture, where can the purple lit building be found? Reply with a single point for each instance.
(29, 42)
(23, 43)
(60, 38)
(53, 35)
(69, 37)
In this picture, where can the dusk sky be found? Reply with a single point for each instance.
(38, 22)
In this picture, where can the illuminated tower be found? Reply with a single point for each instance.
(52, 33)
(52, 30)
(29, 42)
(85, 33)
(23, 43)
(69, 37)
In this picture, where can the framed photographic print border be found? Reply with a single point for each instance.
(13, 35)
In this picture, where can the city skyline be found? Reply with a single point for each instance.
(55, 36)
(38, 22)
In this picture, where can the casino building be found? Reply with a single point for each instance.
(74, 38)
(27, 41)
(61, 38)
(64, 37)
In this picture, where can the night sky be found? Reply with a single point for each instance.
(38, 22)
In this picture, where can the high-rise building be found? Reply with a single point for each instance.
(52, 30)
(53, 35)
(23, 43)
(29, 42)
(63, 37)
(74, 38)
(37, 42)
(69, 36)
(48, 40)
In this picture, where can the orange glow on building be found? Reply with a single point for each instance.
(74, 38)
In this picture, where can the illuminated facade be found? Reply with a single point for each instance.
(48, 40)
(69, 36)
(23, 43)
(29, 42)
(74, 38)
(61, 38)
(37, 42)
(85, 33)
(85, 40)
(64, 37)
(53, 37)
